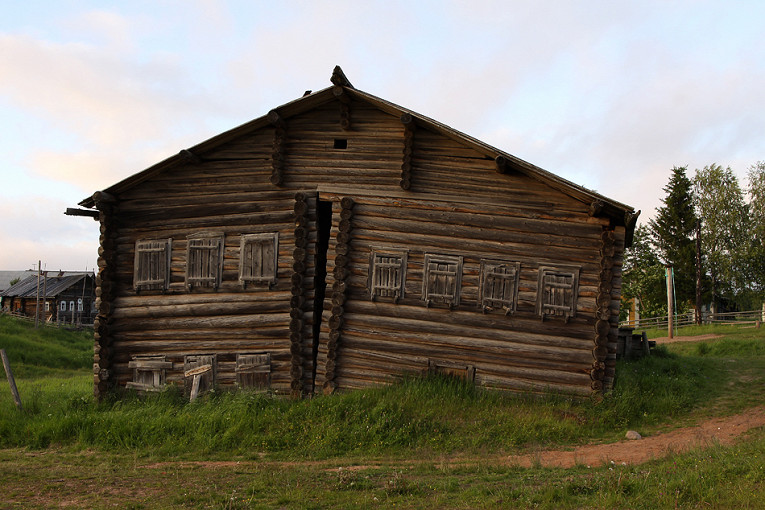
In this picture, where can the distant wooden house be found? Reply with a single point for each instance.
(341, 241)
(63, 297)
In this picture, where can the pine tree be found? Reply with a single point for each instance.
(673, 232)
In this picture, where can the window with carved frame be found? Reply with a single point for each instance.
(204, 260)
(151, 269)
(387, 274)
(258, 258)
(499, 285)
(442, 279)
(557, 291)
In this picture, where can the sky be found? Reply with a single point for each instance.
(608, 94)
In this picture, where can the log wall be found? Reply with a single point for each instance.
(393, 185)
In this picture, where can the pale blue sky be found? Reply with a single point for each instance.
(608, 94)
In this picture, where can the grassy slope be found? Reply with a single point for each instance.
(415, 420)
(46, 350)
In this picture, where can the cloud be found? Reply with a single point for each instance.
(44, 233)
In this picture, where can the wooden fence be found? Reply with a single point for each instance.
(54, 324)
(752, 317)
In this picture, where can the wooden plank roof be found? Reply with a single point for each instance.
(622, 214)
(52, 285)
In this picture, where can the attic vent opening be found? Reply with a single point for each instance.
(341, 143)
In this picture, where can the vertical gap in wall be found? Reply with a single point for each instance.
(323, 225)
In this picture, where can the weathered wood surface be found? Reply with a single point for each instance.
(11, 380)
(454, 203)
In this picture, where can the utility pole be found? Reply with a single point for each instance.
(670, 301)
(37, 302)
(698, 272)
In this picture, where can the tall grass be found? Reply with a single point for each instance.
(431, 415)
(36, 352)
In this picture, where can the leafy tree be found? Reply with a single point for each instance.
(757, 224)
(643, 276)
(724, 230)
(673, 234)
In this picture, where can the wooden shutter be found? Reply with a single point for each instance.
(204, 260)
(258, 258)
(253, 371)
(148, 372)
(442, 279)
(557, 291)
(388, 274)
(204, 363)
(499, 285)
(151, 264)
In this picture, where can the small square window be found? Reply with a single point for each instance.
(387, 274)
(341, 143)
(557, 291)
(199, 372)
(204, 258)
(499, 285)
(151, 270)
(442, 279)
(253, 371)
(258, 258)
(148, 372)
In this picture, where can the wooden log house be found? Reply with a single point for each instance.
(340, 241)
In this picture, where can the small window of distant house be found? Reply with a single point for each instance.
(79, 304)
(71, 306)
(204, 260)
(258, 259)
(499, 285)
(253, 371)
(148, 372)
(442, 279)
(557, 291)
(387, 274)
(151, 269)
(62, 306)
(47, 306)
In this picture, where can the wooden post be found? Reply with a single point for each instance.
(37, 301)
(11, 380)
(670, 302)
(698, 272)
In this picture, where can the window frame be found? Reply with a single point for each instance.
(161, 279)
(428, 295)
(246, 242)
(204, 255)
(503, 302)
(152, 368)
(567, 311)
(253, 371)
(378, 268)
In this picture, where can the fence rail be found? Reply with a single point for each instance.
(52, 324)
(689, 319)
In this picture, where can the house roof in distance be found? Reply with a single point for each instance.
(621, 213)
(52, 284)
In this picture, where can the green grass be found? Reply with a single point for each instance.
(44, 351)
(398, 437)
(434, 415)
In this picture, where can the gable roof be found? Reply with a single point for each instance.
(622, 214)
(6, 277)
(52, 286)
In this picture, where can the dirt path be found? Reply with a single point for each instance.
(667, 340)
(722, 431)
